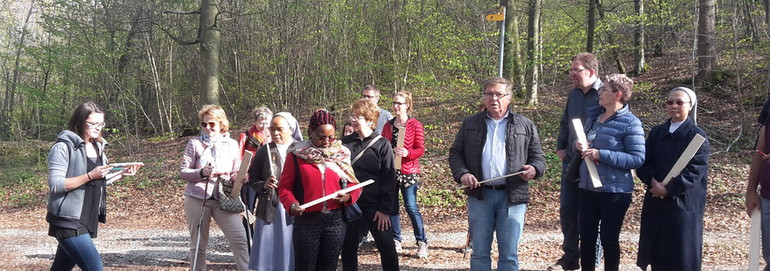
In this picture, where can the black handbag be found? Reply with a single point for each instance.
(573, 171)
(352, 212)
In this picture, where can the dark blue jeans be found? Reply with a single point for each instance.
(609, 209)
(568, 217)
(410, 204)
(78, 250)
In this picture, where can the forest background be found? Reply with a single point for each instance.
(152, 63)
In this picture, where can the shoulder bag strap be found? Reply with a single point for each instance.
(362, 151)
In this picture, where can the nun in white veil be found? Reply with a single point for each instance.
(671, 232)
(272, 247)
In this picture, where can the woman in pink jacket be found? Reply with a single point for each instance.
(210, 160)
(408, 175)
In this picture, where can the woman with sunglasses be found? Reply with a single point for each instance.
(671, 233)
(408, 175)
(78, 173)
(372, 159)
(616, 146)
(316, 168)
(210, 160)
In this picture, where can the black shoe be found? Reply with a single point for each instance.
(563, 264)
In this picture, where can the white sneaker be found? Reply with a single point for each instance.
(422, 249)
(398, 246)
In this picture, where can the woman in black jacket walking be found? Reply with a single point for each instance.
(372, 159)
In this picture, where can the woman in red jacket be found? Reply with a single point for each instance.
(257, 134)
(414, 147)
(313, 170)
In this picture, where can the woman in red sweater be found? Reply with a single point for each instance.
(313, 170)
(414, 148)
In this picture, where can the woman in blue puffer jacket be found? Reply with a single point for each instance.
(616, 145)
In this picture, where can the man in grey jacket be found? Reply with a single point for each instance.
(372, 93)
(491, 144)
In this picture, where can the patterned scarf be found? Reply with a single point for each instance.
(333, 157)
(211, 145)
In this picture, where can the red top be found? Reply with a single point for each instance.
(260, 137)
(414, 142)
(312, 185)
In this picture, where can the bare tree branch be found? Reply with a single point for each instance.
(176, 38)
(194, 12)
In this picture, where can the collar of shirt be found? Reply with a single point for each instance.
(493, 156)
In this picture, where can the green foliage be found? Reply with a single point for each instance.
(442, 197)
(22, 180)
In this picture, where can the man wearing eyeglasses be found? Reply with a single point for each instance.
(372, 93)
(489, 146)
(585, 79)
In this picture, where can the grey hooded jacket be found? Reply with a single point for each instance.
(67, 159)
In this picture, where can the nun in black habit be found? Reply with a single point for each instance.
(671, 233)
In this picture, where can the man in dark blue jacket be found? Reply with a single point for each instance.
(585, 77)
(492, 144)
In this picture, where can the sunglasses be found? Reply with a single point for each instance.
(679, 103)
(208, 124)
(325, 138)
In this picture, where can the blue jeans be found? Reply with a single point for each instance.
(765, 231)
(495, 214)
(78, 250)
(410, 204)
(568, 217)
(609, 209)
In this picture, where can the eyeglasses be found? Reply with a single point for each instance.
(679, 103)
(208, 124)
(577, 70)
(369, 97)
(606, 89)
(97, 125)
(490, 95)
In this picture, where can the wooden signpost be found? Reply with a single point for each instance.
(237, 184)
(399, 144)
(495, 179)
(581, 137)
(756, 224)
(334, 195)
(685, 158)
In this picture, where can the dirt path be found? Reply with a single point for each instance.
(135, 245)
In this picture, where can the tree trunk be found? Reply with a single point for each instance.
(590, 32)
(767, 12)
(533, 38)
(10, 100)
(209, 51)
(639, 36)
(706, 55)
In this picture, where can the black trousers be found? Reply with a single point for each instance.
(607, 209)
(383, 240)
(318, 240)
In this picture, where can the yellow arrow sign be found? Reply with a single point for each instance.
(495, 17)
